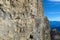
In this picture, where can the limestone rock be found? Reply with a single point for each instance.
(47, 29)
(22, 20)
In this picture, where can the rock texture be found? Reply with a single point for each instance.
(55, 35)
(23, 20)
(46, 29)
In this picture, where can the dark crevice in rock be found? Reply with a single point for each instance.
(12, 3)
(32, 16)
(23, 13)
(2, 10)
(17, 17)
(31, 36)
(16, 0)
(10, 16)
(8, 0)
(31, 10)
(28, 1)
(1, 5)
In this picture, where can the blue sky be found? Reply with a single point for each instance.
(52, 9)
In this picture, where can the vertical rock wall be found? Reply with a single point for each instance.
(47, 29)
(21, 20)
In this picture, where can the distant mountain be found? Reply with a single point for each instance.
(55, 25)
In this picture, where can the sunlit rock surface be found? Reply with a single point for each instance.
(23, 20)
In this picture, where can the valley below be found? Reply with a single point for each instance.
(55, 30)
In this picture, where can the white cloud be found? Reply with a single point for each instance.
(55, 19)
(54, 0)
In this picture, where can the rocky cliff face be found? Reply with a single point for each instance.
(23, 20)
